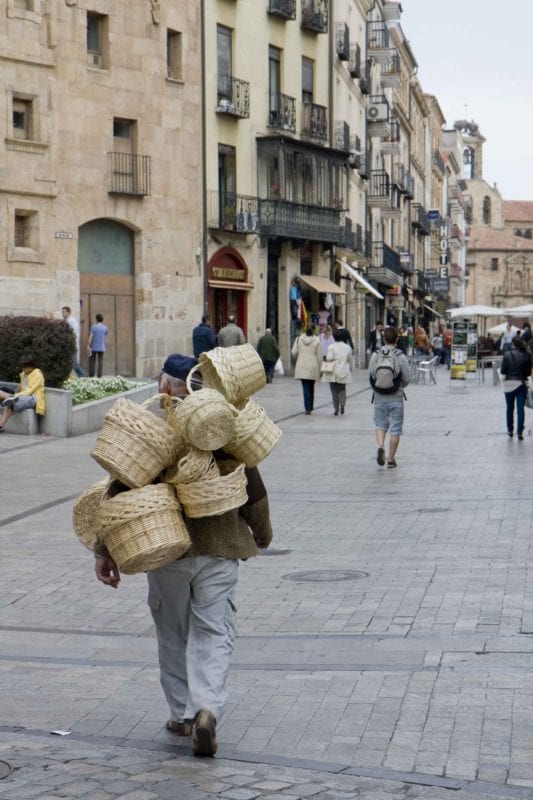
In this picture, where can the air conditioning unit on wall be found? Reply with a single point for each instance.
(378, 112)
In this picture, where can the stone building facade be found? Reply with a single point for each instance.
(99, 208)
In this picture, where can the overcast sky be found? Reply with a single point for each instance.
(480, 54)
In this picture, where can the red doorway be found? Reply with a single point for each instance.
(228, 287)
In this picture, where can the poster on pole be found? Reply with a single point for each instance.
(471, 343)
(459, 350)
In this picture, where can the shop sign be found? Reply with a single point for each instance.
(227, 274)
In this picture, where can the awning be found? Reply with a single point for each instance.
(214, 284)
(433, 311)
(359, 278)
(321, 284)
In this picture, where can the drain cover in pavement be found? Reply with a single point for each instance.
(5, 769)
(323, 575)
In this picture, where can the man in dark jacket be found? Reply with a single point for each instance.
(203, 338)
(376, 339)
(344, 334)
(516, 369)
(268, 350)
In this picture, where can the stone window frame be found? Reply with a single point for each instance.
(32, 252)
(174, 55)
(34, 144)
(103, 53)
(30, 15)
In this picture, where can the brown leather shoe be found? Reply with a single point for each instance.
(180, 728)
(204, 734)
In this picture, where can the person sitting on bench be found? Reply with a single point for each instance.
(29, 393)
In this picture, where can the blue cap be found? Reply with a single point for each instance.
(178, 366)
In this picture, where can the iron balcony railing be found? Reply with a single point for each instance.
(227, 211)
(377, 36)
(439, 162)
(391, 72)
(387, 258)
(286, 9)
(354, 65)
(368, 245)
(315, 121)
(379, 185)
(419, 219)
(418, 281)
(282, 114)
(342, 136)
(281, 218)
(393, 138)
(342, 41)
(129, 174)
(346, 234)
(358, 240)
(315, 15)
(233, 96)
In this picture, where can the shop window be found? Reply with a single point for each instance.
(174, 55)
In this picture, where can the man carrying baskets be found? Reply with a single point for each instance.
(192, 599)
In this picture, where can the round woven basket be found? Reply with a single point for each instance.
(237, 372)
(134, 444)
(212, 496)
(205, 419)
(193, 466)
(143, 529)
(255, 435)
(84, 520)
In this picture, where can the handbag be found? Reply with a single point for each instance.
(529, 397)
(327, 367)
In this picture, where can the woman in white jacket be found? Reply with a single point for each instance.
(340, 354)
(308, 354)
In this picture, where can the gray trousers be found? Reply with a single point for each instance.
(192, 605)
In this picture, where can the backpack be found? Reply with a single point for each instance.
(386, 376)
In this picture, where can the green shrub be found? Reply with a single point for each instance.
(50, 341)
(86, 389)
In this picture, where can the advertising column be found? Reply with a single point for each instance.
(471, 343)
(459, 351)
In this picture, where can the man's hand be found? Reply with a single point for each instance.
(107, 571)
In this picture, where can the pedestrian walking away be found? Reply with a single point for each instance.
(344, 333)
(515, 370)
(388, 373)
(375, 338)
(29, 393)
(339, 355)
(268, 350)
(96, 347)
(326, 339)
(307, 352)
(75, 326)
(422, 343)
(231, 335)
(192, 600)
(203, 338)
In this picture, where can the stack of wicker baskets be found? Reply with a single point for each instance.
(160, 469)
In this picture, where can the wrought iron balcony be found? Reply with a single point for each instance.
(342, 136)
(286, 9)
(227, 211)
(419, 219)
(346, 234)
(129, 174)
(283, 219)
(378, 191)
(390, 143)
(315, 121)
(386, 266)
(404, 180)
(354, 64)
(315, 15)
(456, 195)
(358, 240)
(391, 73)
(342, 41)
(282, 114)
(378, 42)
(456, 234)
(233, 96)
(360, 160)
(418, 282)
(438, 161)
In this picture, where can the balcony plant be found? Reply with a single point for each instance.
(274, 191)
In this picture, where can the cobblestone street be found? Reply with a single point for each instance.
(385, 642)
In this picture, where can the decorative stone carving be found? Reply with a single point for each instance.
(71, 2)
(156, 11)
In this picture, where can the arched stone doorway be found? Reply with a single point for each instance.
(106, 267)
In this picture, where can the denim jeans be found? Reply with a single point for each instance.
(519, 395)
(308, 387)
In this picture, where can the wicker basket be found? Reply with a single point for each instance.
(255, 435)
(84, 520)
(237, 372)
(204, 419)
(193, 466)
(143, 529)
(134, 445)
(213, 496)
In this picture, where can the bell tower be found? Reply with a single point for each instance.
(472, 148)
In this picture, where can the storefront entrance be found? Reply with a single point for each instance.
(228, 289)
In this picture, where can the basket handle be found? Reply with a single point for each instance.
(188, 379)
(165, 399)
